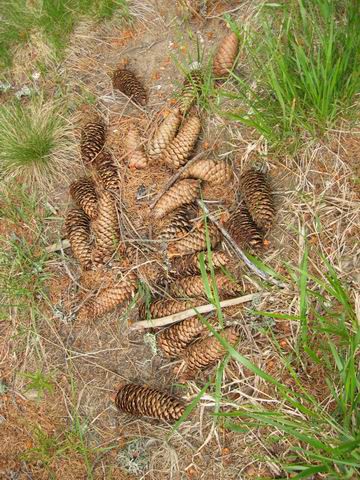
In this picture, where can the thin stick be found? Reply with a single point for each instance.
(173, 179)
(260, 273)
(55, 247)
(177, 317)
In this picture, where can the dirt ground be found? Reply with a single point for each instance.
(88, 361)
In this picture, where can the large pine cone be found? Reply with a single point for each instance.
(193, 286)
(92, 141)
(106, 228)
(134, 149)
(190, 264)
(173, 340)
(128, 83)
(244, 231)
(216, 173)
(77, 226)
(108, 299)
(164, 134)
(191, 90)
(106, 171)
(141, 400)
(178, 223)
(206, 352)
(164, 308)
(83, 192)
(179, 150)
(258, 199)
(195, 241)
(226, 55)
(182, 193)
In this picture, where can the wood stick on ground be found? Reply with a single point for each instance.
(55, 247)
(177, 317)
(173, 179)
(260, 273)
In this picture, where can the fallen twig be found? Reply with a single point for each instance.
(177, 317)
(55, 247)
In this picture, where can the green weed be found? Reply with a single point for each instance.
(38, 381)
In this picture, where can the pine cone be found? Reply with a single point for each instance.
(216, 173)
(258, 199)
(179, 150)
(108, 299)
(84, 194)
(178, 223)
(195, 241)
(98, 278)
(243, 230)
(128, 83)
(193, 286)
(135, 151)
(164, 134)
(191, 90)
(106, 171)
(173, 340)
(163, 308)
(182, 193)
(144, 401)
(77, 226)
(206, 352)
(226, 55)
(106, 228)
(190, 264)
(92, 141)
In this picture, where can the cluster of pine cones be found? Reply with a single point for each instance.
(93, 230)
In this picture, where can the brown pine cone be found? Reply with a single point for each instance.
(178, 223)
(182, 193)
(92, 141)
(191, 90)
(98, 278)
(216, 173)
(77, 226)
(190, 264)
(108, 299)
(106, 228)
(164, 134)
(226, 55)
(128, 83)
(179, 150)
(106, 171)
(144, 401)
(206, 352)
(134, 149)
(244, 231)
(195, 241)
(84, 194)
(193, 286)
(173, 340)
(163, 308)
(258, 199)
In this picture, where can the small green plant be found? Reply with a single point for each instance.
(304, 68)
(38, 381)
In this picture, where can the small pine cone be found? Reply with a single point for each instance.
(164, 134)
(98, 278)
(173, 340)
(106, 171)
(243, 230)
(106, 228)
(83, 192)
(216, 173)
(144, 401)
(258, 199)
(77, 226)
(182, 193)
(190, 90)
(135, 151)
(163, 308)
(190, 264)
(178, 223)
(226, 55)
(128, 83)
(92, 141)
(193, 286)
(206, 352)
(179, 150)
(195, 241)
(108, 299)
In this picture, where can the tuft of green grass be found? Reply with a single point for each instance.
(304, 69)
(35, 142)
(38, 381)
